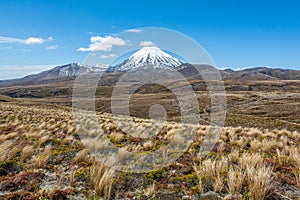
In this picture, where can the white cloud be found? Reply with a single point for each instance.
(146, 43)
(108, 56)
(99, 43)
(52, 47)
(28, 41)
(134, 30)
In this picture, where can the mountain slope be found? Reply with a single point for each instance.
(69, 70)
(59, 73)
(262, 73)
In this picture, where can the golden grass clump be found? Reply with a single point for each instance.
(41, 160)
(117, 136)
(233, 157)
(259, 181)
(42, 140)
(295, 155)
(251, 160)
(82, 156)
(101, 178)
(9, 136)
(148, 145)
(213, 171)
(255, 145)
(5, 148)
(27, 152)
(269, 145)
(235, 180)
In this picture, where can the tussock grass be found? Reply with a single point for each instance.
(295, 155)
(27, 152)
(102, 179)
(82, 156)
(240, 166)
(259, 181)
(9, 136)
(5, 148)
(235, 180)
(41, 160)
(254, 160)
(117, 137)
(211, 173)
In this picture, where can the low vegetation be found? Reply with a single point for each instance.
(42, 157)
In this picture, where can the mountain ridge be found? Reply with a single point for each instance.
(151, 57)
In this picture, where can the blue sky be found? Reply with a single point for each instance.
(36, 35)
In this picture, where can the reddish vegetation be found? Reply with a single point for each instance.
(22, 181)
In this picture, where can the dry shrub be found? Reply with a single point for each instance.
(42, 140)
(255, 145)
(259, 181)
(26, 152)
(5, 149)
(241, 143)
(82, 157)
(9, 136)
(212, 171)
(42, 159)
(14, 152)
(72, 178)
(233, 157)
(269, 145)
(251, 160)
(295, 155)
(117, 137)
(170, 134)
(235, 180)
(148, 145)
(258, 175)
(101, 178)
(281, 156)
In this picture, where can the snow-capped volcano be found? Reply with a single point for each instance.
(149, 56)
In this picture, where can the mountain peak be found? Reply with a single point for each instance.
(149, 56)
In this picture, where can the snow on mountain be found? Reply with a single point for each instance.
(74, 69)
(149, 56)
(59, 73)
(68, 70)
(100, 67)
(65, 71)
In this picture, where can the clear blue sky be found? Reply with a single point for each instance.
(36, 34)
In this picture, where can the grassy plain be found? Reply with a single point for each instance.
(256, 157)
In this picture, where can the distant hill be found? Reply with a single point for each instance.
(251, 74)
(59, 80)
(151, 58)
(70, 71)
(261, 73)
(59, 73)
